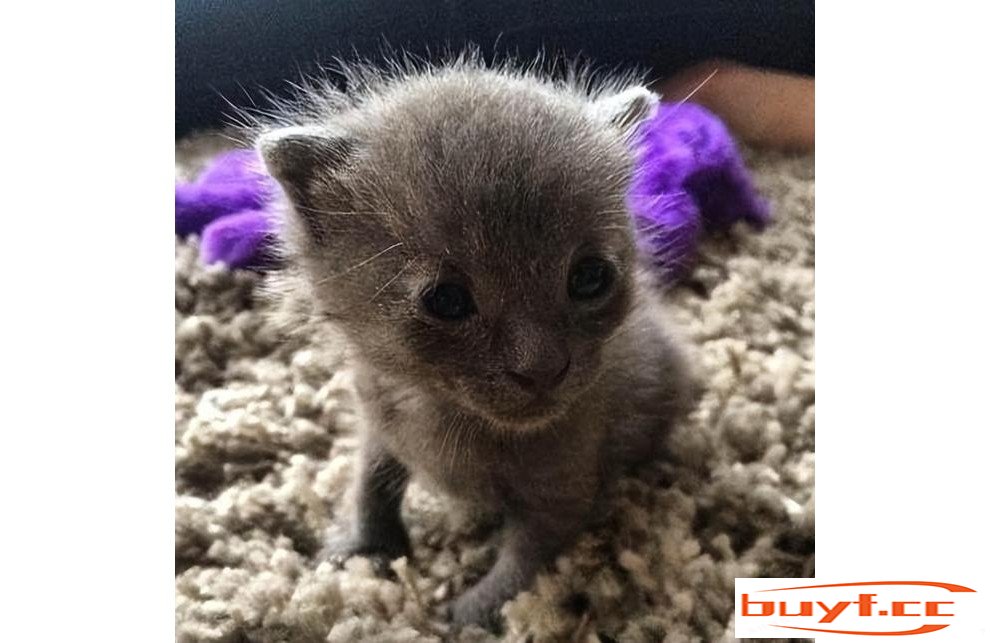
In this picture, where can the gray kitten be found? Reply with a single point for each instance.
(465, 229)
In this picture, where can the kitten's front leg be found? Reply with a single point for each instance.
(376, 528)
(531, 541)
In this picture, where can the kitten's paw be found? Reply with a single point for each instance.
(475, 608)
(381, 551)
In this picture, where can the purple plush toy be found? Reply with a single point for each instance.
(228, 205)
(689, 178)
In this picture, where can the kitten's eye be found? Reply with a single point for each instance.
(589, 278)
(448, 301)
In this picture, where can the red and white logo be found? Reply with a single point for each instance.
(802, 607)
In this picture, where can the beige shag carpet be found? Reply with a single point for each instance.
(264, 452)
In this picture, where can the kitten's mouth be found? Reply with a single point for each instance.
(532, 414)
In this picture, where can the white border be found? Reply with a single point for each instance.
(903, 240)
(87, 478)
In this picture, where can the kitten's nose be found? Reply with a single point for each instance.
(536, 355)
(542, 377)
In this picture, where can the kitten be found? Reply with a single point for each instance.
(466, 231)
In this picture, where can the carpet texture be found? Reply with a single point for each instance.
(265, 451)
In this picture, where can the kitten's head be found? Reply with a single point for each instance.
(467, 229)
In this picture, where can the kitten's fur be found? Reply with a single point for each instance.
(498, 180)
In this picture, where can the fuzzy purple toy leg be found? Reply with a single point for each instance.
(240, 240)
(233, 182)
(198, 205)
(690, 176)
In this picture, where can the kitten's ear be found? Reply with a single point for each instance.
(297, 157)
(305, 161)
(627, 108)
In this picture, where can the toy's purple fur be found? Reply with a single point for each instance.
(689, 177)
(239, 240)
(236, 166)
(233, 182)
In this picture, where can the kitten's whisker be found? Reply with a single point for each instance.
(625, 327)
(455, 432)
(436, 278)
(363, 263)
(613, 227)
(389, 282)
(700, 85)
(453, 435)
(458, 438)
(443, 442)
(673, 110)
(309, 210)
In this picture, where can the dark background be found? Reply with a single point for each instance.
(234, 48)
